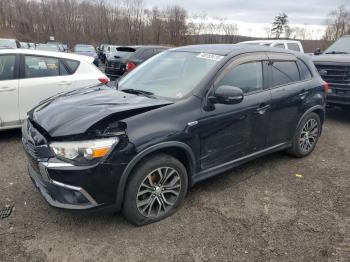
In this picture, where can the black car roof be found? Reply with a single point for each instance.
(230, 49)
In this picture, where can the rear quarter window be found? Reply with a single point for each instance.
(72, 65)
(293, 46)
(305, 71)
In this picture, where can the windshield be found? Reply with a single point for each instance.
(47, 47)
(340, 46)
(8, 43)
(84, 48)
(170, 74)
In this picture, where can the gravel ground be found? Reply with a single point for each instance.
(276, 208)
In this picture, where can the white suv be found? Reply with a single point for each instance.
(280, 43)
(29, 76)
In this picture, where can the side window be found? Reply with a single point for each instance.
(280, 46)
(40, 66)
(7, 66)
(284, 72)
(248, 77)
(72, 65)
(306, 71)
(293, 46)
(147, 54)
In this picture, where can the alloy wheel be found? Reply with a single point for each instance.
(308, 135)
(158, 192)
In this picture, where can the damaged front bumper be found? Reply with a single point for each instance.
(59, 194)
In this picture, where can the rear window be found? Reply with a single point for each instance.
(284, 72)
(41, 66)
(280, 46)
(71, 64)
(293, 46)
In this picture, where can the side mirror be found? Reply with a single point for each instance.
(317, 51)
(227, 95)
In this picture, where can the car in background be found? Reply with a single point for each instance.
(100, 50)
(284, 44)
(24, 45)
(334, 67)
(59, 44)
(29, 76)
(32, 46)
(127, 58)
(7, 42)
(66, 48)
(108, 49)
(88, 50)
(48, 47)
(183, 116)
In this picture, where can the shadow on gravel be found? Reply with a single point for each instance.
(338, 114)
(10, 134)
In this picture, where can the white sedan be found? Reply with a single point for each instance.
(29, 76)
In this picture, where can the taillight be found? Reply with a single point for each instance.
(130, 66)
(103, 80)
(325, 86)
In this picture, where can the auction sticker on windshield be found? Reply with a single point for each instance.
(210, 56)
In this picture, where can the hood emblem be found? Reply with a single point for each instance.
(323, 72)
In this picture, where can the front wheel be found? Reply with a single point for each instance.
(306, 136)
(156, 189)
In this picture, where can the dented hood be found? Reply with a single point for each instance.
(75, 112)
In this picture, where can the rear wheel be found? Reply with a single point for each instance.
(156, 189)
(306, 136)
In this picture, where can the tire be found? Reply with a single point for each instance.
(299, 148)
(157, 199)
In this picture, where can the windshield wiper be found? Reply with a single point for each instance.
(138, 92)
(337, 52)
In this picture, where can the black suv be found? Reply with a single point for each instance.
(127, 58)
(334, 67)
(187, 114)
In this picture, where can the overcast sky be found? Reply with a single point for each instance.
(252, 15)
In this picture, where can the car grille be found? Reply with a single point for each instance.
(113, 64)
(337, 76)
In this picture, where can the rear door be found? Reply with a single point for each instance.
(9, 113)
(288, 93)
(42, 77)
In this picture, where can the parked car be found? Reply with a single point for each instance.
(24, 45)
(59, 44)
(12, 43)
(127, 58)
(183, 116)
(334, 67)
(29, 76)
(100, 51)
(48, 47)
(88, 50)
(285, 44)
(107, 50)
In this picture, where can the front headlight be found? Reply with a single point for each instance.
(84, 151)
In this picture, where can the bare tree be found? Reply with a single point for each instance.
(338, 23)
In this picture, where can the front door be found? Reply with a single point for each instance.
(9, 114)
(229, 132)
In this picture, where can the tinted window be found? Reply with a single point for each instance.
(72, 65)
(248, 77)
(41, 66)
(293, 46)
(7, 66)
(63, 70)
(284, 72)
(306, 71)
(146, 54)
(280, 46)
